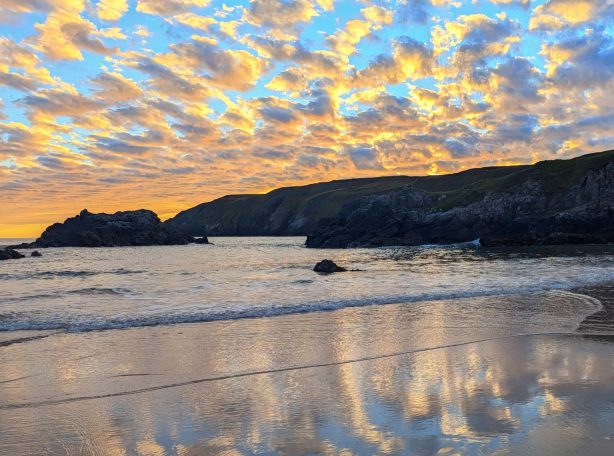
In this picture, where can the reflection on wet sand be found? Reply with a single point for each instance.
(543, 394)
(518, 395)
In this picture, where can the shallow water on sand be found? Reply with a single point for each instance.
(203, 390)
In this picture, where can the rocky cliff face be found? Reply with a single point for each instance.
(558, 201)
(554, 202)
(290, 211)
(128, 228)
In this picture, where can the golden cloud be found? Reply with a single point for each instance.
(64, 35)
(111, 10)
(169, 7)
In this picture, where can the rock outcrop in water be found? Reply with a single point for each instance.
(10, 254)
(129, 228)
(551, 202)
(201, 240)
(328, 267)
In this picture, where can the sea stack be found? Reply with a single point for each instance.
(128, 228)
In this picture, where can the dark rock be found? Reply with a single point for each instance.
(10, 254)
(23, 245)
(555, 202)
(129, 228)
(36, 253)
(201, 240)
(508, 241)
(569, 238)
(555, 238)
(328, 267)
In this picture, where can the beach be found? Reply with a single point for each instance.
(306, 227)
(189, 390)
(530, 372)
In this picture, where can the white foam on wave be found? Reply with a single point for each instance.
(14, 321)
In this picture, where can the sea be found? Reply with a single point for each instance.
(85, 289)
(240, 348)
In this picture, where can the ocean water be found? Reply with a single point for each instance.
(77, 289)
(424, 351)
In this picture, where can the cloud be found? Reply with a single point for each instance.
(457, 149)
(345, 41)
(21, 68)
(521, 3)
(518, 82)
(111, 10)
(63, 36)
(571, 11)
(410, 60)
(121, 146)
(277, 114)
(169, 82)
(26, 6)
(420, 11)
(322, 104)
(559, 14)
(51, 162)
(292, 80)
(115, 88)
(168, 7)
(474, 36)
(242, 98)
(280, 13)
(142, 31)
(17, 81)
(113, 33)
(226, 68)
(55, 102)
(195, 21)
(315, 162)
(364, 157)
(585, 61)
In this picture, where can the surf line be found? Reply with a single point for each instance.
(270, 371)
(22, 340)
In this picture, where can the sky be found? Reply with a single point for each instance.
(164, 104)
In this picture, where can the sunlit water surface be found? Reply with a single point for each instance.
(447, 350)
(80, 289)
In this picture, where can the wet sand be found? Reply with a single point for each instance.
(602, 321)
(357, 381)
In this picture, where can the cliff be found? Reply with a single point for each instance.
(557, 201)
(551, 202)
(289, 211)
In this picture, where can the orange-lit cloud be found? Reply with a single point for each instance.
(119, 104)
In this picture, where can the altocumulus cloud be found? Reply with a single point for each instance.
(172, 102)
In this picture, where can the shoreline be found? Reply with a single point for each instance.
(392, 379)
(604, 318)
(600, 320)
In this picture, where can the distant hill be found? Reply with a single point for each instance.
(542, 203)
